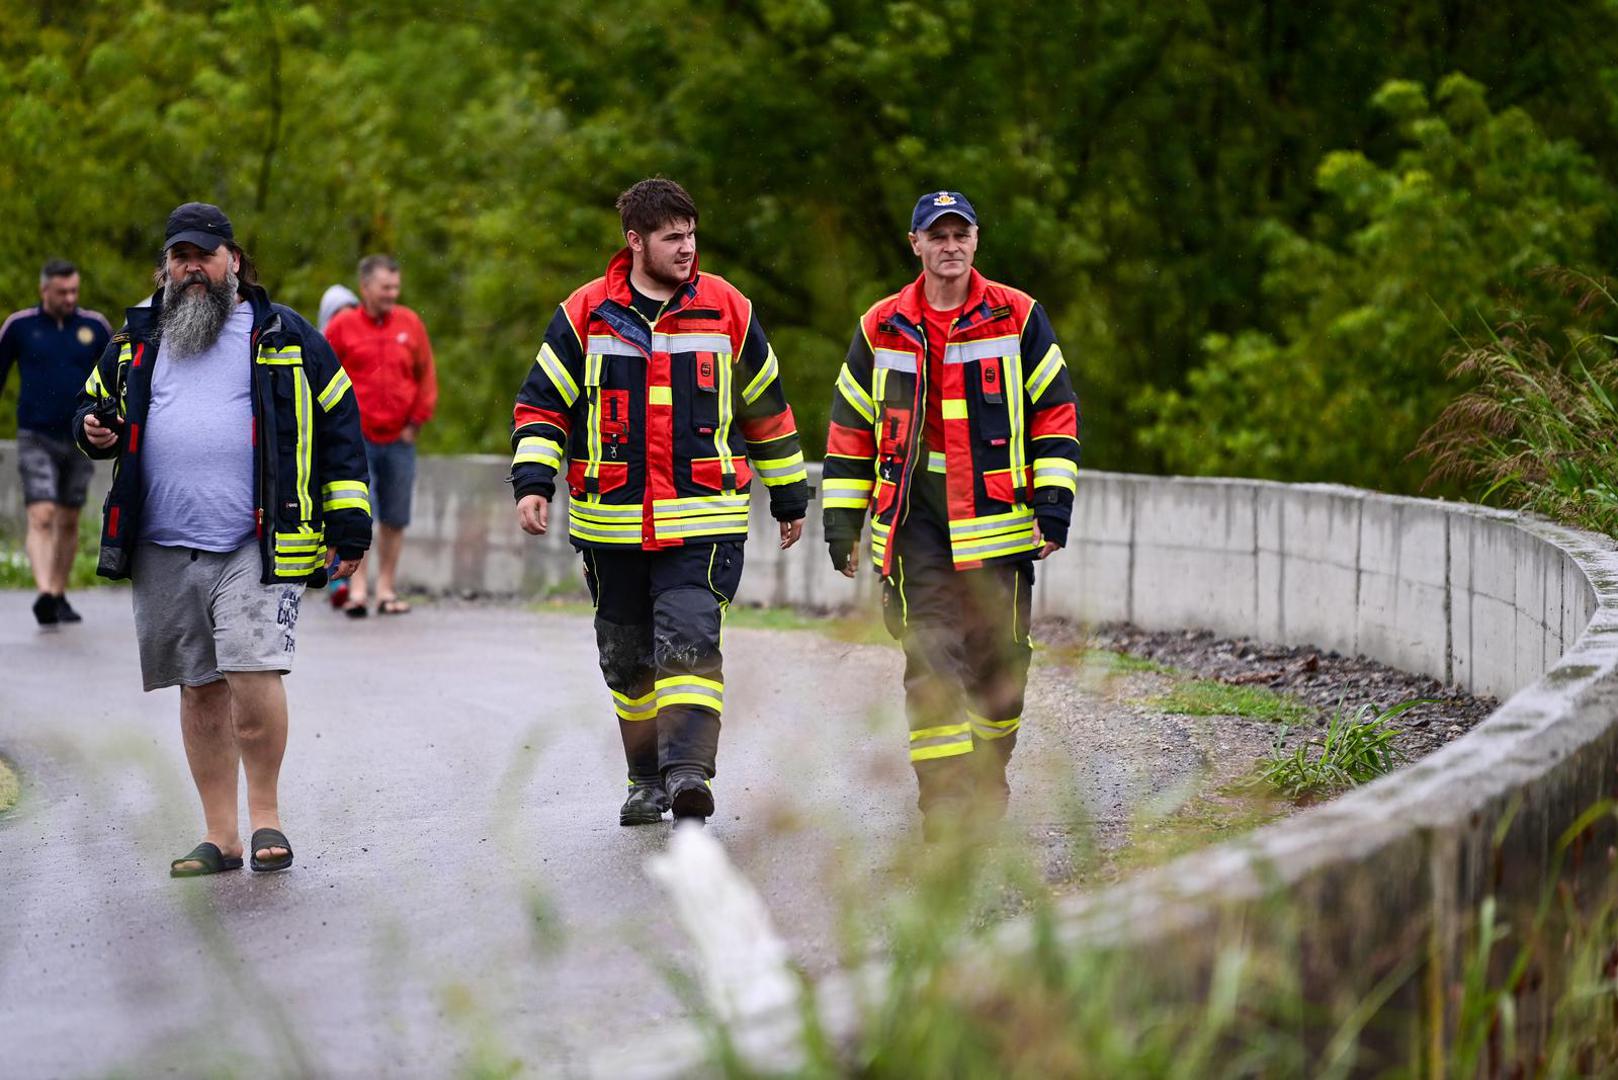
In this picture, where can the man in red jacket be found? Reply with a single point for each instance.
(384, 348)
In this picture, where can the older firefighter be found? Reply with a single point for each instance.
(955, 425)
(657, 385)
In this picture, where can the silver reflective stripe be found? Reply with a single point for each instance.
(611, 346)
(894, 360)
(1002, 524)
(792, 468)
(684, 343)
(941, 740)
(700, 503)
(605, 510)
(693, 690)
(685, 527)
(978, 350)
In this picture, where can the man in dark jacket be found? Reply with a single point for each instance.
(239, 464)
(954, 426)
(657, 384)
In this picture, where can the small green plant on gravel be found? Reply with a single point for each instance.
(1206, 697)
(1358, 747)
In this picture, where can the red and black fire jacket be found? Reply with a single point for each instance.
(663, 424)
(1011, 425)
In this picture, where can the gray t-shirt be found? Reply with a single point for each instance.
(197, 470)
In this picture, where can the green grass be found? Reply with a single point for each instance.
(10, 788)
(1205, 697)
(1357, 748)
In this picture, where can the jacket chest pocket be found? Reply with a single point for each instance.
(612, 417)
(987, 380)
(708, 383)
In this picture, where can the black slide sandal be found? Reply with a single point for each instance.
(268, 838)
(212, 859)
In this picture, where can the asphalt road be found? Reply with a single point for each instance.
(463, 895)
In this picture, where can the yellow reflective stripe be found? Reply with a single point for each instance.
(1056, 472)
(93, 385)
(990, 522)
(948, 740)
(605, 511)
(727, 412)
(954, 409)
(345, 495)
(640, 708)
(984, 728)
(855, 395)
(936, 462)
(690, 690)
(537, 449)
(335, 390)
(1011, 378)
(777, 471)
(660, 395)
(291, 355)
(303, 407)
(1044, 372)
(994, 547)
(761, 382)
(557, 373)
(846, 494)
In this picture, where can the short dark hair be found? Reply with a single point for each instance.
(56, 268)
(651, 204)
(372, 263)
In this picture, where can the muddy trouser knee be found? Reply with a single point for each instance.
(619, 586)
(692, 586)
(967, 649)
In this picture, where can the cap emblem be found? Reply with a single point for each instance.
(943, 198)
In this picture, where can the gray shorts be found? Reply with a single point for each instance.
(199, 614)
(53, 470)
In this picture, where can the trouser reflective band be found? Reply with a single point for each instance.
(993, 729)
(937, 742)
(639, 708)
(690, 690)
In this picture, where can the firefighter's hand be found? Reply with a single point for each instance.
(98, 434)
(845, 557)
(345, 568)
(534, 514)
(791, 533)
(1047, 548)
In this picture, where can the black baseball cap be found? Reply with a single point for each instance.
(199, 223)
(935, 204)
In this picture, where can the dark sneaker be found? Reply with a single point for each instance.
(644, 806)
(65, 612)
(690, 795)
(45, 612)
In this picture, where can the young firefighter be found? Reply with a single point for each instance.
(657, 385)
(955, 425)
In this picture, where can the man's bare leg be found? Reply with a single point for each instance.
(259, 715)
(67, 546)
(389, 542)
(41, 545)
(210, 748)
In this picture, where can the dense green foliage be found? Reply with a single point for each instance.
(1251, 222)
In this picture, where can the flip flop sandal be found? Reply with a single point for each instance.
(212, 861)
(268, 838)
(392, 606)
(355, 611)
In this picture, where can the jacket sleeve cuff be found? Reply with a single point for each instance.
(842, 524)
(545, 489)
(789, 502)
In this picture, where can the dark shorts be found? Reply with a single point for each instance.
(53, 470)
(393, 480)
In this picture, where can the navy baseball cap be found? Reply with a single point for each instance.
(202, 224)
(935, 204)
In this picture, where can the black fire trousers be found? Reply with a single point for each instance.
(967, 648)
(659, 617)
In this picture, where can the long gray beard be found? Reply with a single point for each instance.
(192, 321)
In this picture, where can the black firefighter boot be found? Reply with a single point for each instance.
(690, 794)
(645, 805)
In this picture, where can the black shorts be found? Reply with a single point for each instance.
(53, 470)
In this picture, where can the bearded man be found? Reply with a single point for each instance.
(240, 472)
